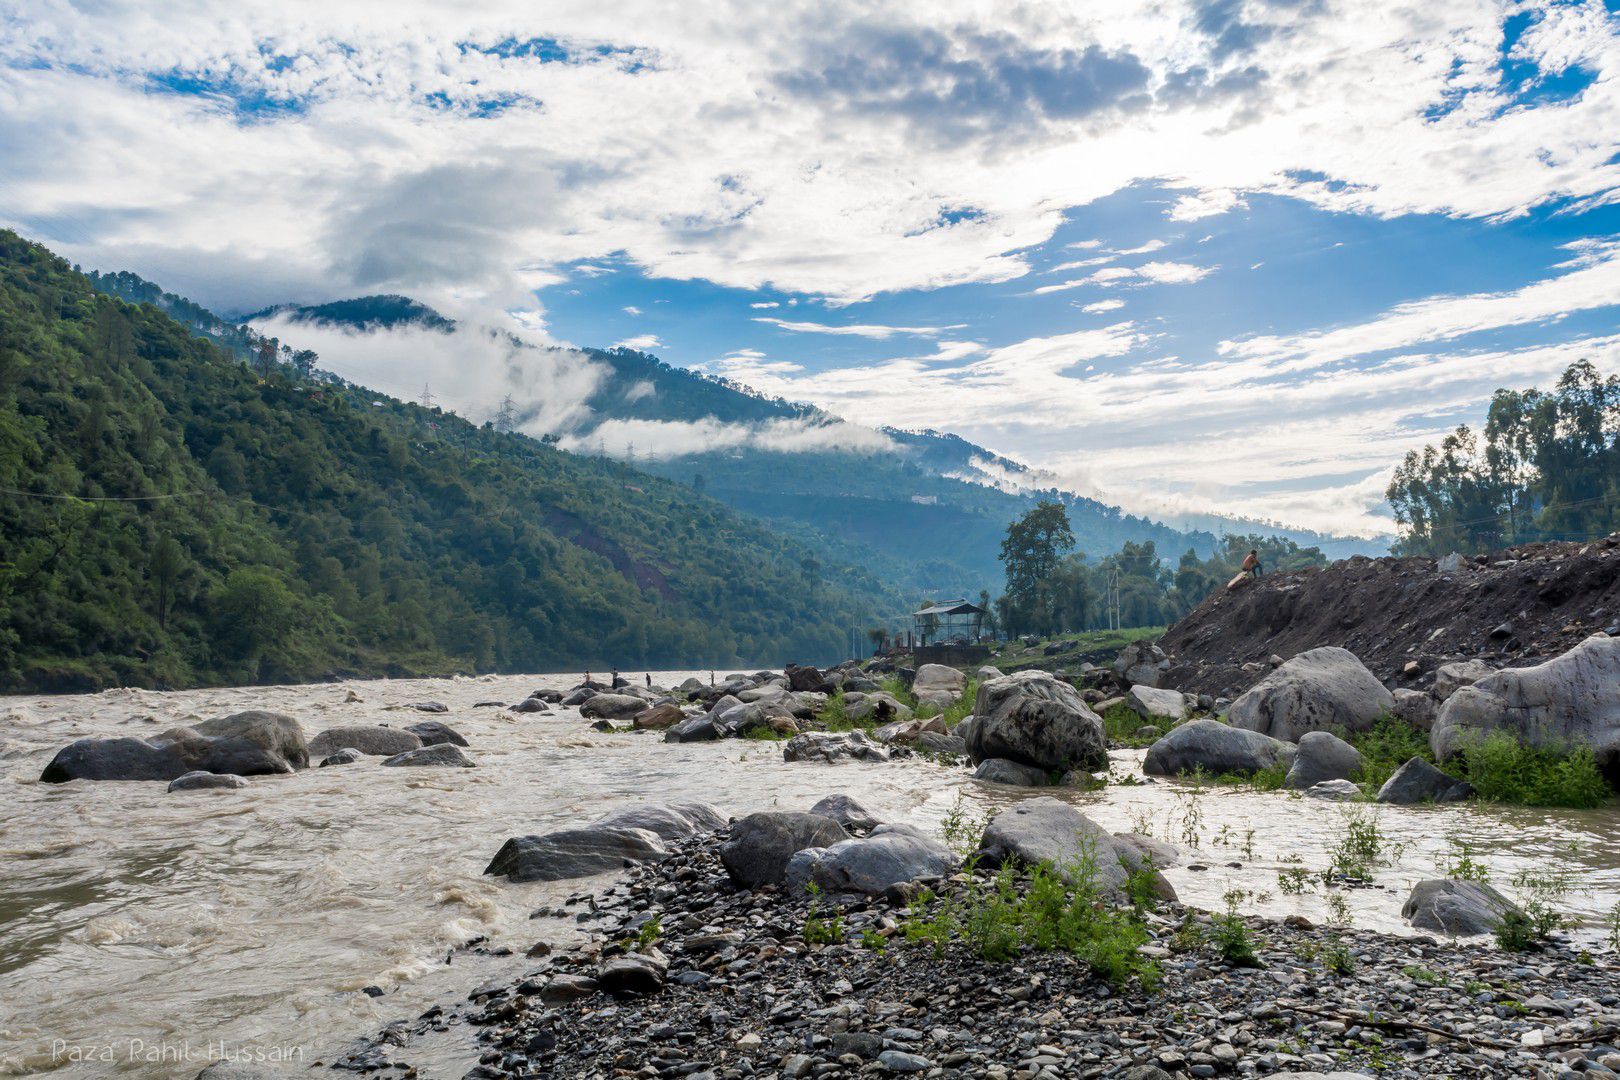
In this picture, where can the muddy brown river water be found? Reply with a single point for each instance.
(143, 934)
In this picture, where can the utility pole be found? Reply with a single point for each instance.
(1111, 598)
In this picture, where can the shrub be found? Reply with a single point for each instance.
(1504, 770)
(1390, 744)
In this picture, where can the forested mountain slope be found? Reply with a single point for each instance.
(170, 518)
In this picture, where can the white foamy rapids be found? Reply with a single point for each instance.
(254, 918)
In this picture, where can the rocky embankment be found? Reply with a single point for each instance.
(716, 963)
(1404, 618)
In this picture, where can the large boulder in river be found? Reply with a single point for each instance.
(1458, 908)
(694, 729)
(1324, 689)
(247, 744)
(938, 685)
(1419, 782)
(658, 718)
(1049, 830)
(1323, 756)
(572, 853)
(1415, 707)
(612, 707)
(437, 756)
(892, 855)
(760, 845)
(804, 678)
(206, 781)
(433, 732)
(375, 740)
(275, 732)
(831, 746)
(671, 821)
(1036, 719)
(1012, 773)
(1570, 701)
(848, 811)
(1216, 748)
(878, 707)
(1153, 704)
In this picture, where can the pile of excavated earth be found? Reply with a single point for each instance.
(1404, 618)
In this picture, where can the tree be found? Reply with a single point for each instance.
(164, 565)
(252, 610)
(1031, 550)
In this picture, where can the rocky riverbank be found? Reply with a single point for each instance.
(688, 973)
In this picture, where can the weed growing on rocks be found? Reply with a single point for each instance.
(1504, 770)
(1232, 938)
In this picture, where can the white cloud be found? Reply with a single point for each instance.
(641, 343)
(1206, 204)
(857, 330)
(1103, 306)
(1149, 273)
(631, 309)
(763, 305)
(661, 439)
(1173, 273)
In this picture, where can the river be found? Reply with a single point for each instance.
(142, 933)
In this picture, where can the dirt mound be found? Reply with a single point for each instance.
(1510, 608)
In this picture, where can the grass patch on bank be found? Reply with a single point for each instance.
(957, 711)
(1016, 656)
(1500, 767)
(1122, 725)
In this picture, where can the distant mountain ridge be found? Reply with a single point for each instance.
(929, 517)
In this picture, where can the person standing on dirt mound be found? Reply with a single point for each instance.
(1251, 564)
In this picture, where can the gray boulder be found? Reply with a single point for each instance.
(439, 755)
(1138, 850)
(892, 855)
(347, 756)
(572, 853)
(247, 744)
(1153, 704)
(848, 812)
(200, 781)
(375, 740)
(831, 746)
(1048, 830)
(671, 822)
(935, 743)
(1001, 771)
(1415, 707)
(552, 697)
(1572, 700)
(1141, 663)
(658, 718)
(1449, 678)
(576, 697)
(986, 673)
(432, 732)
(1334, 791)
(641, 972)
(878, 707)
(694, 729)
(938, 685)
(531, 705)
(427, 706)
(1216, 748)
(1417, 781)
(612, 707)
(1324, 689)
(760, 845)
(274, 732)
(1458, 908)
(1323, 756)
(1036, 719)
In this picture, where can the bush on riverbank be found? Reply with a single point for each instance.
(1500, 767)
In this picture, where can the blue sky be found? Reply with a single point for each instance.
(1231, 255)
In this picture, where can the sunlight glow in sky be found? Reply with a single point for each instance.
(1217, 254)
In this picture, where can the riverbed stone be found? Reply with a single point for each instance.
(1141, 663)
(658, 718)
(375, 740)
(1216, 748)
(1449, 678)
(760, 845)
(879, 707)
(892, 855)
(1334, 791)
(1045, 829)
(1415, 707)
(1151, 703)
(571, 853)
(1014, 773)
(1036, 719)
(640, 972)
(1417, 781)
(1569, 701)
(935, 743)
(1458, 908)
(201, 781)
(702, 728)
(531, 705)
(833, 746)
(1324, 689)
(848, 811)
(347, 756)
(433, 732)
(437, 756)
(670, 821)
(612, 707)
(938, 685)
(1322, 756)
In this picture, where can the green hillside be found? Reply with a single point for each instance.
(169, 518)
